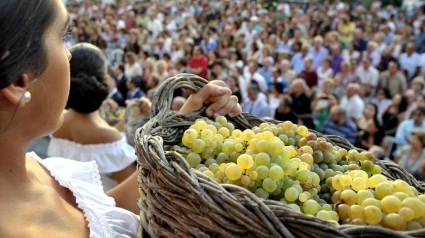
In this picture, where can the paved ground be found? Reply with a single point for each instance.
(40, 147)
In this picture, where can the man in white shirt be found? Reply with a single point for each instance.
(367, 74)
(154, 26)
(160, 48)
(255, 105)
(352, 102)
(411, 61)
(318, 53)
(253, 74)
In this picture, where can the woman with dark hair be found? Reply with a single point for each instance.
(84, 135)
(224, 48)
(372, 135)
(370, 113)
(235, 60)
(56, 196)
(394, 114)
(234, 86)
(213, 57)
(382, 100)
(83, 36)
(275, 97)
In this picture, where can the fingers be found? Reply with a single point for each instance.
(228, 107)
(219, 103)
(197, 100)
(236, 111)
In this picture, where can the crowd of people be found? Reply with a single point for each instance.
(353, 70)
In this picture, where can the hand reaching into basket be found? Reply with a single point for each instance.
(219, 99)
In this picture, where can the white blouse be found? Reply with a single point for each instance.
(110, 157)
(104, 219)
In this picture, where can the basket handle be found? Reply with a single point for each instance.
(163, 98)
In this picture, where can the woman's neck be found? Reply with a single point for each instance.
(13, 171)
(93, 116)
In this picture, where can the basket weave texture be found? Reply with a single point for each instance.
(177, 201)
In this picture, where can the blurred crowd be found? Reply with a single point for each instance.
(350, 69)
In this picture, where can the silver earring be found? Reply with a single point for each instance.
(27, 97)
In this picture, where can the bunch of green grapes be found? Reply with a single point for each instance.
(286, 163)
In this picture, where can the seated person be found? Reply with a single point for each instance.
(412, 156)
(255, 105)
(372, 135)
(134, 90)
(284, 112)
(338, 124)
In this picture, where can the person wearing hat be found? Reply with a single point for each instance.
(403, 134)
(412, 156)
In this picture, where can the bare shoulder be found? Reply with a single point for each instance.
(106, 134)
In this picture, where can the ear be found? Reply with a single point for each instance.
(14, 93)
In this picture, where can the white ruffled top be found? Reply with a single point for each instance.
(105, 220)
(110, 157)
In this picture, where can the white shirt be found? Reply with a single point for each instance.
(155, 27)
(410, 63)
(368, 76)
(104, 219)
(259, 78)
(112, 93)
(133, 70)
(322, 76)
(109, 157)
(354, 106)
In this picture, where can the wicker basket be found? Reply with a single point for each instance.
(177, 201)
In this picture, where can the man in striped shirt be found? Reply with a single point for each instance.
(339, 125)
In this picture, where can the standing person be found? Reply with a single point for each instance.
(255, 105)
(68, 191)
(411, 62)
(198, 64)
(83, 126)
(353, 102)
(121, 80)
